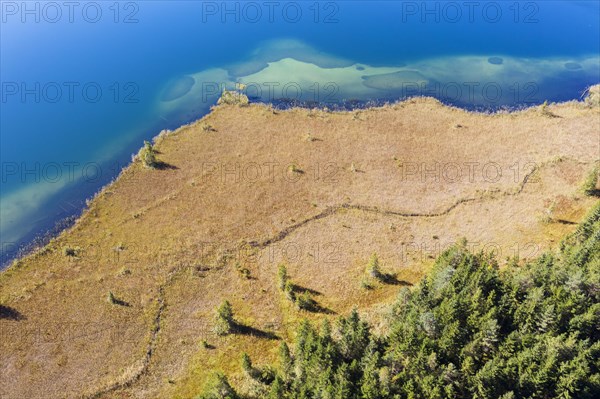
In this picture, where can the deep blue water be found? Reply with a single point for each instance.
(62, 139)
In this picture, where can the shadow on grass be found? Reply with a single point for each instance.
(391, 279)
(298, 289)
(315, 307)
(563, 221)
(593, 193)
(242, 329)
(6, 312)
(164, 166)
(120, 302)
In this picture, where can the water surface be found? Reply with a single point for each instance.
(81, 90)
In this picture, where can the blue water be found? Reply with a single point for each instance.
(57, 151)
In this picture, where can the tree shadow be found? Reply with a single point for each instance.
(563, 221)
(6, 312)
(593, 193)
(298, 289)
(242, 329)
(392, 279)
(316, 307)
(160, 165)
(307, 303)
(121, 302)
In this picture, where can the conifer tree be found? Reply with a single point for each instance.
(224, 321)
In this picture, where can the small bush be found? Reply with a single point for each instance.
(295, 169)
(590, 185)
(124, 272)
(310, 138)
(233, 97)
(70, 251)
(545, 111)
(243, 271)
(208, 128)
(148, 155)
(366, 285)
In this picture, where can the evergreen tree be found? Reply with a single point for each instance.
(277, 389)
(282, 277)
(247, 364)
(285, 361)
(373, 269)
(224, 321)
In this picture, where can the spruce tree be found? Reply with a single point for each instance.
(282, 277)
(224, 321)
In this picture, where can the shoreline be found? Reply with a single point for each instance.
(36, 241)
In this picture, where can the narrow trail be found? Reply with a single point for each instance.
(281, 235)
(371, 209)
(144, 363)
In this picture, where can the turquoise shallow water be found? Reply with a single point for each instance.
(83, 85)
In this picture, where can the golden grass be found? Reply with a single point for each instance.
(229, 198)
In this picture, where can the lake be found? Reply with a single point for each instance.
(84, 83)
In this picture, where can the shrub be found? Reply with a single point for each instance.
(70, 251)
(295, 169)
(148, 155)
(310, 138)
(124, 272)
(590, 185)
(366, 285)
(545, 111)
(208, 128)
(243, 271)
(233, 97)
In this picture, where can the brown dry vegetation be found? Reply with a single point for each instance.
(316, 190)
